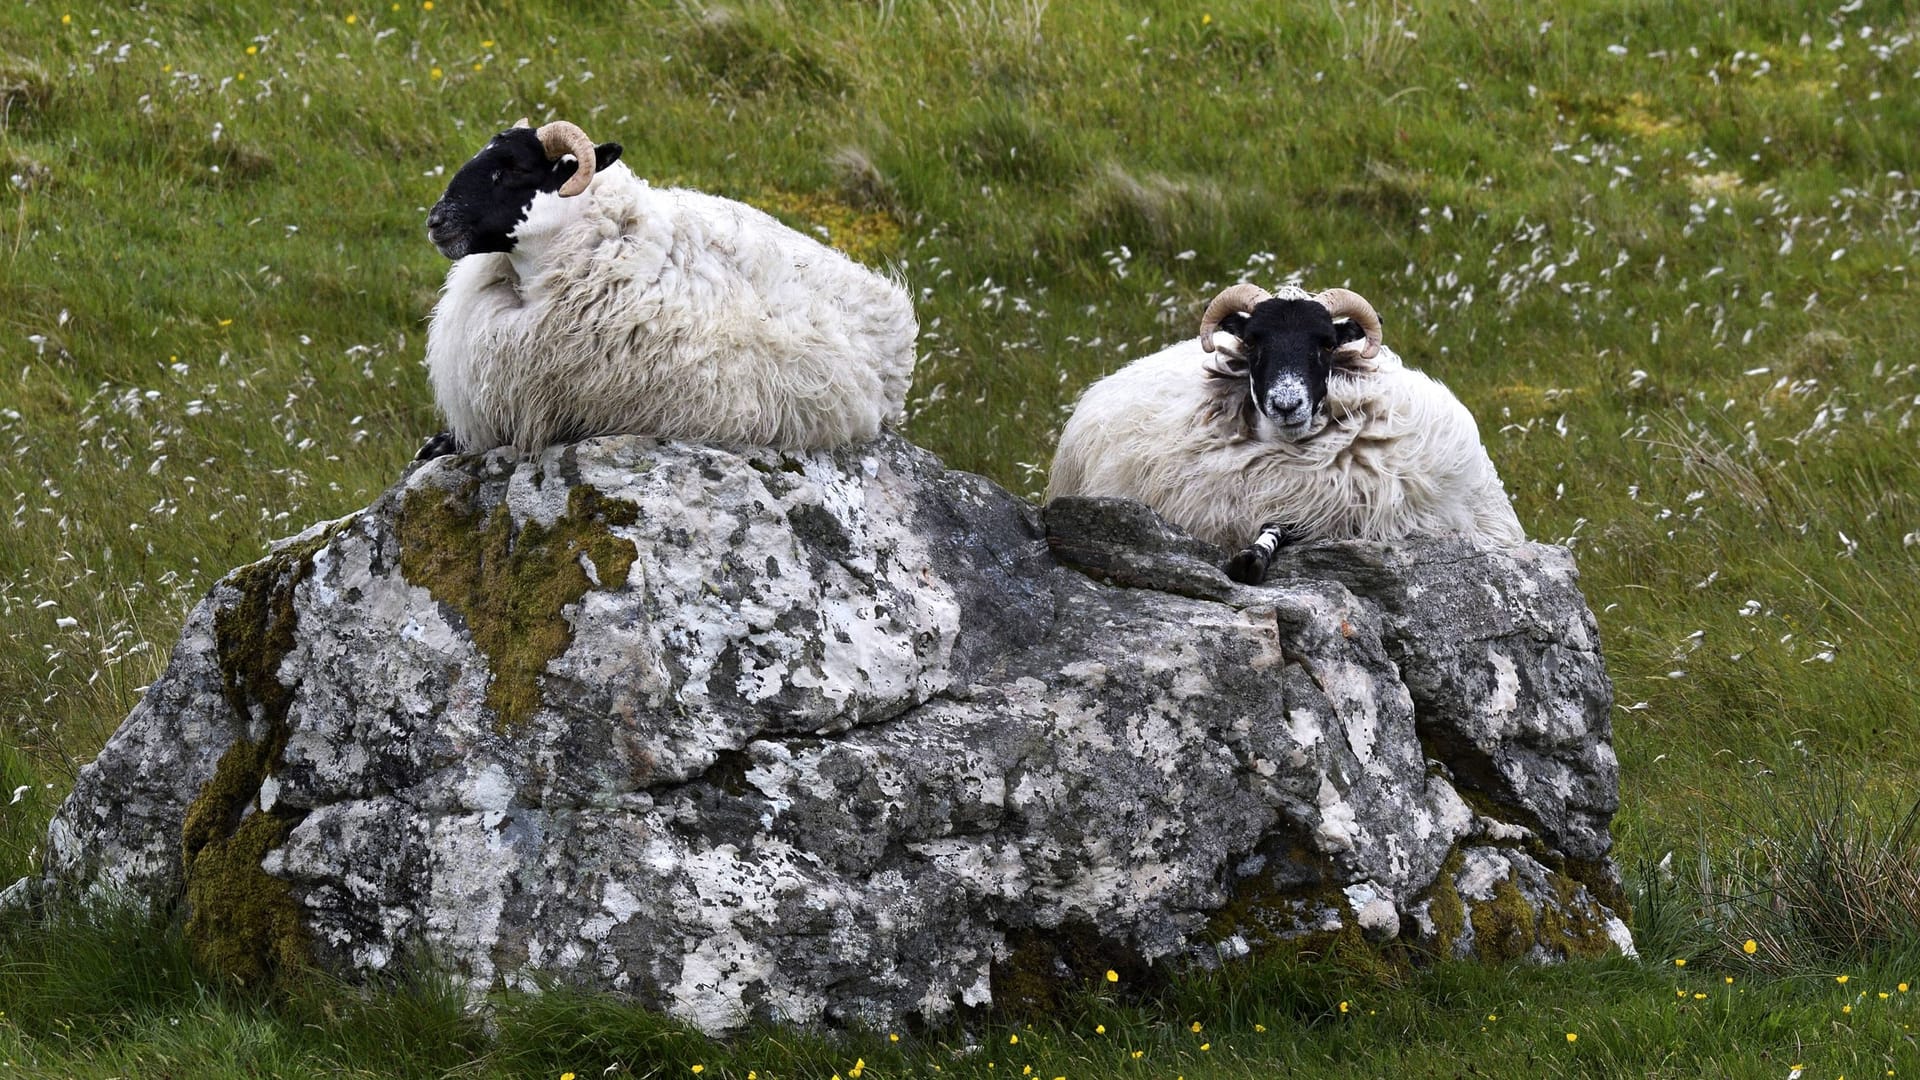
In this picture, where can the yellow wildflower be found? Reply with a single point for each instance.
(1343, 1006)
(426, 5)
(1750, 947)
(1205, 1046)
(1573, 1036)
(1902, 988)
(566, 1076)
(1013, 1040)
(891, 1037)
(1847, 1009)
(1112, 975)
(352, 18)
(252, 50)
(1137, 1053)
(1679, 961)
(1196, 1027)
(1699, 997)
(66, 20)
(435, 73)
(1101, 1029)
(1841, 979)
(1259, 1028)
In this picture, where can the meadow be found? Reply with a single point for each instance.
(1664, 249)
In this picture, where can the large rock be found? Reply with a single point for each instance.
(848, 737)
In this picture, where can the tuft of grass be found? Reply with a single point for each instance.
(1823, 883)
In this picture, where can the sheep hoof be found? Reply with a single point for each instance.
(438, 446)
(1248, 567)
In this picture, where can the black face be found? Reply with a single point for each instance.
(488, 198)
(1289, 349)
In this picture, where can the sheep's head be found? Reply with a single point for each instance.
(490, 195)
(1287, 347)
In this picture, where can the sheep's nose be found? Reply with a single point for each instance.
(1287, 408)
(436, 217)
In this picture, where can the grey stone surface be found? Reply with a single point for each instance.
(848, 737)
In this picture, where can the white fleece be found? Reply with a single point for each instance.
(1400, 456)
(660, 311)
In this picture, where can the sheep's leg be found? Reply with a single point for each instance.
(438, 446)
(1251, 564)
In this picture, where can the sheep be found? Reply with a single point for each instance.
(1297, 427)
(583, 301)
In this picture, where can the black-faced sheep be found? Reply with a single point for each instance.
(585, 302)
(1302, 426)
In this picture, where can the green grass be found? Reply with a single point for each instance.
(118, 1000)
(1663, 249)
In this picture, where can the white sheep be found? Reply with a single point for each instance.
(1298, 428)
(585, 302)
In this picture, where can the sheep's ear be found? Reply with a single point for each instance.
(605, 154)
(1227, 343)
(1346, 332)
(1350, 339)
(1229, 357)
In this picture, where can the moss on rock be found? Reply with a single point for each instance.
(510, 584)
(1445, 909)
(1575, 922)
(1603, 882)
(1508, 926)
(1503, 924)
(1278, 917)
(1044, 968)
(241, 921)
(1286, 916)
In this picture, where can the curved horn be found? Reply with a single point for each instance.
(523, 122)
(1241, 297)
(561, 137)
(1349, 304)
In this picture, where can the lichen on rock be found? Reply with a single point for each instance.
(846, 737)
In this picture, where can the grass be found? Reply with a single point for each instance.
(1706, 1019)
(1664, 249)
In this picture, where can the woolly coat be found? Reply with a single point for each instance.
(1400, 456)
(666, 312)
